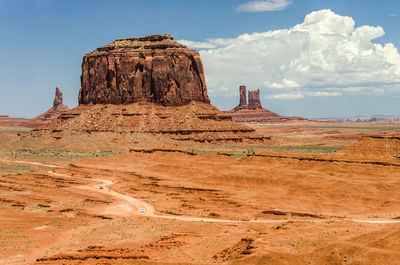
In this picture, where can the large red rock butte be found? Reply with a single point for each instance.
(154, 68)
(253, 112)
(149, 85)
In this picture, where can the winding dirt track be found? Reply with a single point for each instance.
(28, 163)
(126, 205)
(131, 206)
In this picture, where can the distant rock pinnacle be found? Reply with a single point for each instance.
(58, 99)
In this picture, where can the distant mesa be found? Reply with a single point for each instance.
(19, 122)
(56, 110)
(151, 85)
(253, 112)
(372, 119)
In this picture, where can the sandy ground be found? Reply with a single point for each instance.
(178, 208)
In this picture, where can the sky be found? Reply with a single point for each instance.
(316, 59)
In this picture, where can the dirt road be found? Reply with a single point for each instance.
(126, 206)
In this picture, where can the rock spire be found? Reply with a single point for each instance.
(253, 112)
(58, 99)
(56, 110)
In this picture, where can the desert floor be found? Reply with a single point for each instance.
(313, 194)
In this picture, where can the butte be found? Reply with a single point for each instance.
(149, 85)
(253, 112)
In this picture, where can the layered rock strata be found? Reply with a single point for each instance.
(154, 69)
(253, 112)
(197, 121)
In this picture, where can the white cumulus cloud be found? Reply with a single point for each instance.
(285, 83)
(326, 55)
(289, 96)
(265, 5)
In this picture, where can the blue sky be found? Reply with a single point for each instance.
(43, 41)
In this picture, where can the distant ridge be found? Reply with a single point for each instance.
(374, 118)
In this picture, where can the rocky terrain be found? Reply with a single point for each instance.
(169, 206)
(253, 112)
(196, 121)
(149, 85)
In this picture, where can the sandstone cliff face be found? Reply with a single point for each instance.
(154, 69)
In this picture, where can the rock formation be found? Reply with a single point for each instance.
(55, 111)
(58, 99)
(154, 68)
(253, 112)
(254, 99)
(197, 121)
(372, 148)
(243, 99)
(150, 85)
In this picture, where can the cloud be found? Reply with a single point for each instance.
(208, 44)
(197, 44)
(289, 96)
(265, 5)
(323, 94)
(326, 55)
(285, 83)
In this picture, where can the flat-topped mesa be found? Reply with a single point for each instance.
(154, 68)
